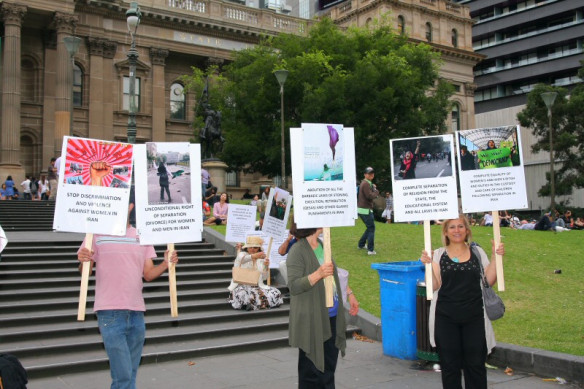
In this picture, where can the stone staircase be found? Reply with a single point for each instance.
(39, 293)
(27, 215)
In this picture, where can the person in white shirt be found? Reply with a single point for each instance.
(26, 188)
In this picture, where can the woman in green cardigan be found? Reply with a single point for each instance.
(318, 331)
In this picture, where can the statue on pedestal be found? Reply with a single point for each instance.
(211, 132)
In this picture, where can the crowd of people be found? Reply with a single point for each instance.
(556, 221)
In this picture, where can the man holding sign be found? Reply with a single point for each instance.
(119, 304)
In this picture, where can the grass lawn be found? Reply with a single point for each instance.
(543, 310)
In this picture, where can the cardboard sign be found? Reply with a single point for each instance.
(94, 186)
(276, 215)
(323, 173)
(240, 222)
(423, 178)
(491, 170)
(168, 192)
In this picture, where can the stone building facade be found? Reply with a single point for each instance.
(41, 84)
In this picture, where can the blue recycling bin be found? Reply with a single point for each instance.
(397, 288)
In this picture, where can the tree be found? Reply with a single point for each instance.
(568, 134)
(368, 78)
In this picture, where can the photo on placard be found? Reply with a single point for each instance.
(278, 208)
(426, 157)
(77, 180)
(92, 162)
(169, 173)
(323, 153)
(489, 148)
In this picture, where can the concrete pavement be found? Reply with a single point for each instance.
(364, 367)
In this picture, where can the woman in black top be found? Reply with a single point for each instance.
(459, 319)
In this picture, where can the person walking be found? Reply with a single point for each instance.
(121, 263)
(164, 181)
(26, 188)
(388, 207)
(459, 327)
(367, 193)
(52, 176)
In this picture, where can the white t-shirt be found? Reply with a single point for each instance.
(25, 185)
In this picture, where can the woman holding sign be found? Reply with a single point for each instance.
(253, 297)
(318, 331)
(459, 327)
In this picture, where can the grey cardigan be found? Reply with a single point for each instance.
(309, 320)
(489, 333)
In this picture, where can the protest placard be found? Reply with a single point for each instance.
(277, 212)
(323, 173)
(424, 184)
(94, 186)
(168, 198)
(240, 222)
(168, 192)
(492, 177)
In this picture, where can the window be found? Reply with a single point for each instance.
(77, 86)
(177, 102)
(429, 32)
(454, 37)
(455, 114)
(126, 100)
(231, 178)
(401, 24)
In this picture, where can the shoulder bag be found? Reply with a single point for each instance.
(245, 276)
(494, 306)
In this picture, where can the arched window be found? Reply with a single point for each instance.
(401, 25)
(455, 114)
(77, 86)
(429, 32)
(454, 37)
(177, 101)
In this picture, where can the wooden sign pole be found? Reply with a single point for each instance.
(498, 258)
(328, 281)
(268, 257)
(428, 266)
(172, 282)
(85, 270)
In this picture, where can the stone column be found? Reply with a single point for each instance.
(158, 57)
(65, 25)
(12, 16)
(110, 89)
(96, 90)
(48, 134)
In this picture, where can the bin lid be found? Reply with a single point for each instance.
(405, 266)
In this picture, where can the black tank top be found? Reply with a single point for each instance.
(460, 296)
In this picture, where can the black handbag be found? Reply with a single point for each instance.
(494, 306)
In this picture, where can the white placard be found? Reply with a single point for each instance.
(323, 173)
(159, 220)
(490, 164)
(3, 239)
(275, 257)
(94, 186)
(277, 211)
(424, 178)
(240, 222)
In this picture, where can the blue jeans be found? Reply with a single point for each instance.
(369, 234)
(123, 334)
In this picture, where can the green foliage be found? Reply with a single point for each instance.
(568, 134)
(368, 78)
